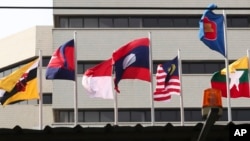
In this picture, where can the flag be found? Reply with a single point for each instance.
(211, 30)
(239, 81)
(167, 80)
(8, 82)
(61, 65)
(131, 61)
(26, 88)
(97, 81)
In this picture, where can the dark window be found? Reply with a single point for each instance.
(165, 22)
(105, 22)
(135, 22)
(91, 22)
(47, 98)
(150, 22)
(64, 22)
(46, 61)
(120, 22)
(107, 116)
(76, 22)
(124, 116)
(180, 22)
(239, 22)
(91, 116)
(138, 116)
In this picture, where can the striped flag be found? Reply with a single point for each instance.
(167, 81)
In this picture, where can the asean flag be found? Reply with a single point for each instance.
(211, 31)
(131, 61)
(61, 65)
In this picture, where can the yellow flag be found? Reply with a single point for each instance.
(7, 83)
(241, 63)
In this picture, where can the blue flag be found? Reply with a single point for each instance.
(212, 31)
(61, 65)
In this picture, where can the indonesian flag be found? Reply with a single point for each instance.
(239, 81)
(97, 81)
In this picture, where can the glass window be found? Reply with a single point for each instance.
(150, 22)
(81, 116)
(196, 68)
(165, 22)
(211, 68)
(169, 115)
(91, 22)
(124, 116)
(120, 22)
(106, 22)
(137, 116)
(107, 116)
(46, 61)
(239, 22)
(64, 22)
(47, 98)
(180, 22)
(91, 116)
(63, 116)
(241, 114)
(76, 22)
(135, 22)
(193, 22)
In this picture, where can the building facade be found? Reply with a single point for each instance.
(104, 26)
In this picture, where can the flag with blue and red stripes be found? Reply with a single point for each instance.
(61, 65)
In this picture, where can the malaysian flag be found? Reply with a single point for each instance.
(167, 80)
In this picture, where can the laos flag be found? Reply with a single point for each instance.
(61, 65)
(212, 30)
(131, 61)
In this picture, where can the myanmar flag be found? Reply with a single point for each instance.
(238, 79)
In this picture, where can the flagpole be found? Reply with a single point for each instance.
(75, 82)
(115, 100)
(181, 96)
(40, 91)
(248, 71)
(227, 70)
(151, 78)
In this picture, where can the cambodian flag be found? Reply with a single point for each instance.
(131, 61)
(212, 31)
(61, 65)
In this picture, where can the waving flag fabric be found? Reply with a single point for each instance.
(167, 81)
(26, 88)
(97, 81)
(212, 31)
(239, 81)
(8, 83)
(131, 61)
(61, 65)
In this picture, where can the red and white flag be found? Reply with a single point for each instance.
(167, 81)
(97, 81)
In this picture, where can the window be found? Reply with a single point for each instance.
(91, 22)
(76, 22)
(106, 22)
(155, 21)
(47, 98)
(120, 22)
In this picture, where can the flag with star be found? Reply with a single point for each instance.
(239, 81)
(211, 31)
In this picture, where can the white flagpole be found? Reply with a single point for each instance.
(227, 70)
(40, 91)
(248, 71)
(75, 82)
(151, 77)
(181, 92)
(115, 100)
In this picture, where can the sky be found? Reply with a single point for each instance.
(16, 20)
